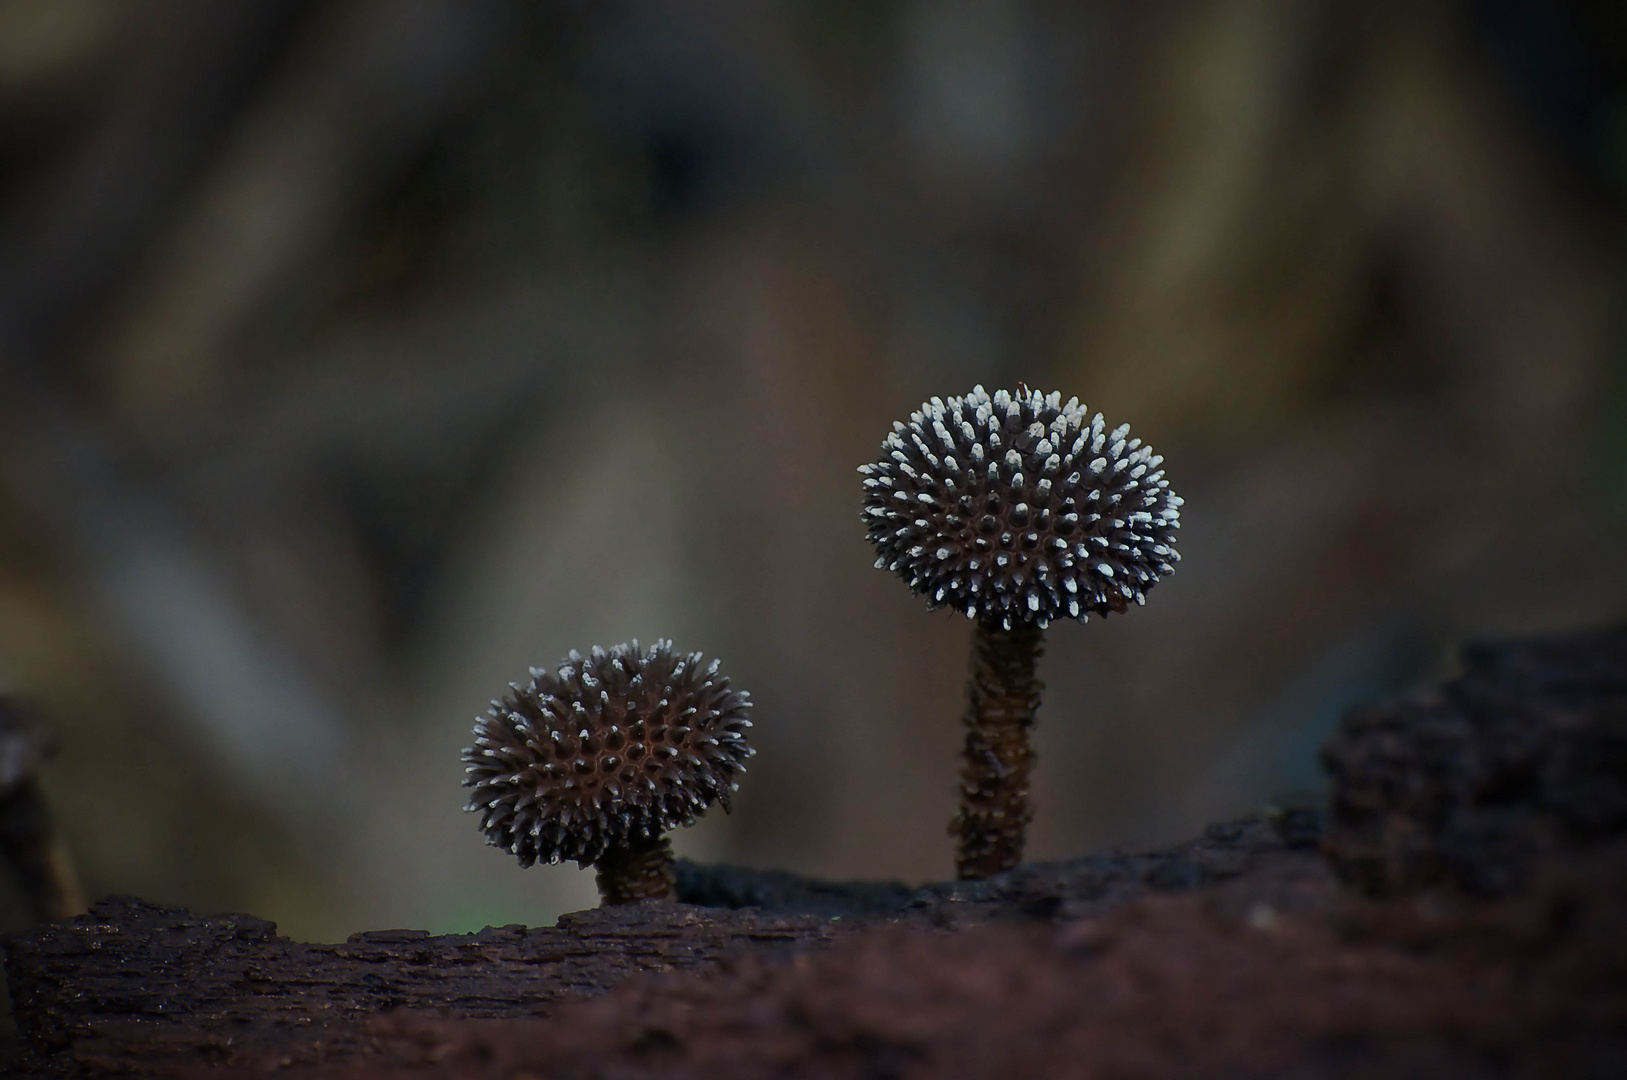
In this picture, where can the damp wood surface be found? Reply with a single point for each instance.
(136, 987)
(1462, 911)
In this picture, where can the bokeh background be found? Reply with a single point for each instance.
(356, 355)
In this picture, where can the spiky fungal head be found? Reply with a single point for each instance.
(610, 750)
(1020, 508)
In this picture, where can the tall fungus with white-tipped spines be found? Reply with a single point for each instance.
(1017, 509)
(604, 755)
(1020, 508)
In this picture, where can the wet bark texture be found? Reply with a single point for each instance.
(628, 875)
(1001, 698)
(143, 988)
(1243, 953)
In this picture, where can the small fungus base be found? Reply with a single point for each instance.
(641, 871)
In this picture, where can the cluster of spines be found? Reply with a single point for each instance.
(610, 750)
(1020, 508)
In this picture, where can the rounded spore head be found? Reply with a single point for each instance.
(1020, 508)
(609, 750)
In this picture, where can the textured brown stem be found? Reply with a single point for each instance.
(639, 872)
(1000, 701)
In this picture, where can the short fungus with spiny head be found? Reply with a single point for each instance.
(1018, 509)
(596, 761)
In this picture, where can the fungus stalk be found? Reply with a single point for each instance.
(1016, 509)
(641, 870)
(597, 761)
(1001, 698)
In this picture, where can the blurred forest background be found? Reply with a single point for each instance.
(357, 354)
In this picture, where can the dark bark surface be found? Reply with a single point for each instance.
(134, 985)
(1466, 784)
(1286, 975)
(1242, 953)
